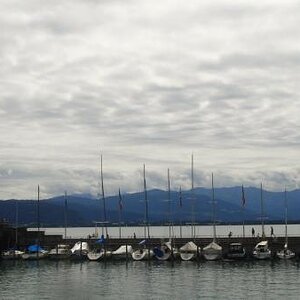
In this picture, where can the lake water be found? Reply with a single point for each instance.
(163, 231)
(155, 280)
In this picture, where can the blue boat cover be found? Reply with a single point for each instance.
(34, 248)
(101, 240)
(143, 242)
(158, 252)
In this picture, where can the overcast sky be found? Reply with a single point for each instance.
(148, 82)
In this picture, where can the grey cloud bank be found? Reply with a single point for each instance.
(148, 82)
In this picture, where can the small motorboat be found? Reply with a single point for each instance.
(236, 251)
(262, 251)
(189, 251)
(61, 251)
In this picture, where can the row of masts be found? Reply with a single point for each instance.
(146, 212)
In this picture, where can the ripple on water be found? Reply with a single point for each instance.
(154, 280)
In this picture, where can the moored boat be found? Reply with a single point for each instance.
(165, 252)
(98, 254)
(189, 251)
(143, 253)
(12, 254)
(236, 251)
(61, 251)
(35, 252)
(262, 251)
(285, 253)
(123, 252)
(79, 251)
(213, 251)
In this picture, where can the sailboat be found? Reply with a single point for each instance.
(144, 252)
(36, 252)
(79, 251)
(285, 253)
(167, 250)
(14, 253)
(261, 250)
(190, 250)
(99, 250)
(213, 251)
(123, 252)
(237, 250)
(61, 251)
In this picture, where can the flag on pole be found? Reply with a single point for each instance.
(120, 201)
(243, 197)
(180, 197)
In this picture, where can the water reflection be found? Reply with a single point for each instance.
(150, 280)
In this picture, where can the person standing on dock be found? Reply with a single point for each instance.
(272, 231)
(253, 232)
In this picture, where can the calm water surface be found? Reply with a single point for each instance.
(154, 280)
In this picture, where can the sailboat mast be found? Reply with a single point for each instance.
(243, 210)
(120, 213)
(65, 214)
(180, 205)
(213, 206)
(147, 229)
(193, 198)
(262, 212)
(286, 212)
(38, 214)
(17, 222)
(169, 204)
(103, 196)
(38, 222)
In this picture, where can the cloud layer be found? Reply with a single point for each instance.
(148, 82)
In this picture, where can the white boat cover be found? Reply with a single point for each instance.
(189, 246)
(122, 250)
(83, 246)
(168, 244)
(262, 244)
(214, 246)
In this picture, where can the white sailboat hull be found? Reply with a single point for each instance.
(186, 256)
(123, 252)
(213, 255)
(189, 251)
(98, 255)
(12, 254)
(212, 252)
(35, 256)
(285, 254)
(143, 254)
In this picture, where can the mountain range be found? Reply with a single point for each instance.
(83, 210)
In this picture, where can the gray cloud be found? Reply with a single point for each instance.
(147, 83)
